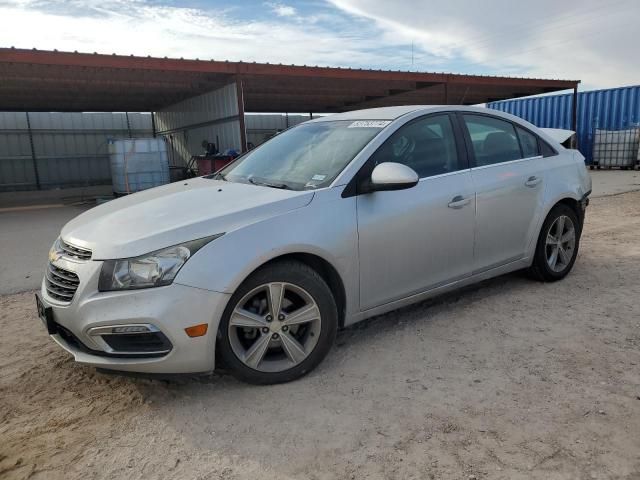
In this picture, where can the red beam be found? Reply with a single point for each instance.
(40, 57)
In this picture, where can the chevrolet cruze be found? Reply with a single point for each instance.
(330, 222)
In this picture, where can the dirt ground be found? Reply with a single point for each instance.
(511, 379)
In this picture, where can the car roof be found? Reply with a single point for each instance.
(382, 113)
(391, 113)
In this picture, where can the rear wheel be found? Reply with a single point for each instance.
(279, 325)
(557, 245)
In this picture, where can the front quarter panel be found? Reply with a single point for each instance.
(326, 228)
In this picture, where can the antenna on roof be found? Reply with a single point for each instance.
(411, 54)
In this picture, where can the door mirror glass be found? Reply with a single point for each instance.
(392, 176)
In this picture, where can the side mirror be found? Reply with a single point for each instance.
(392, 176)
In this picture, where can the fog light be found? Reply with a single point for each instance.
(197, 330)
(130, 329)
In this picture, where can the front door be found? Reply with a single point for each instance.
(416, 239)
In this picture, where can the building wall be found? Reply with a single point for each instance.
(212, 117)
(611, 109)
(70, 149)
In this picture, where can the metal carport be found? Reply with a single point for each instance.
(35, 80)
(195, 99)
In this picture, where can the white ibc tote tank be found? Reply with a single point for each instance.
(138, 164)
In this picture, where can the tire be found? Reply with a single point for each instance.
(543, 268)
(263, 353)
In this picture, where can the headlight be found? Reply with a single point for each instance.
(55, 252)
(154, 269)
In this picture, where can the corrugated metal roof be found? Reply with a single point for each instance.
(609, 109)
(37, 80)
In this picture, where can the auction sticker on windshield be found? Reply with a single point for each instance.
(369, 124)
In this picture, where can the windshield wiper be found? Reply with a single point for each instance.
(281, 186)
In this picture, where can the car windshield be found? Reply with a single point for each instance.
(307, 156)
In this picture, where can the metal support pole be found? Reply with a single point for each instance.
(574, 113)
(243, 129)
(153, 124)
(126, 114)
(33, 153)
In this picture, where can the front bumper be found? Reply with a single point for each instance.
(168, 309)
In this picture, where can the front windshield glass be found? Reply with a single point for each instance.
(305, 157)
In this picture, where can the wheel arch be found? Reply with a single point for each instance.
(574, 205)
(567, 199)
(324, 268)
(571, 201)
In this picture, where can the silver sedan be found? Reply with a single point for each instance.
(330, 222)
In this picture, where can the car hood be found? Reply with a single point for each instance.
(160, 217)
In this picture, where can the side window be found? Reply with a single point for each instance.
(427, 145)
(528, 142)
(547, 151)
(494, 140)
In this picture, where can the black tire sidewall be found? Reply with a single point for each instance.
(298, 274)
(540, 260)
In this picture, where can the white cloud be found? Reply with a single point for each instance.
(141, 28)
(588, 39)
(282, 10)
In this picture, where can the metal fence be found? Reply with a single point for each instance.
(57, 150)
(51, 150)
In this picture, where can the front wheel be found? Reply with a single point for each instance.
(279, 325)
(557, 245)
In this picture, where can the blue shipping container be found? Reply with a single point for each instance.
(612, 109)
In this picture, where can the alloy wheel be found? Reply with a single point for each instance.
(560, 243)
(274, 327)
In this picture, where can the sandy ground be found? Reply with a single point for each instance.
(511, 379)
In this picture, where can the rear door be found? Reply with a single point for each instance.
(509, 178)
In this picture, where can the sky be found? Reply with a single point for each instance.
(594, 41)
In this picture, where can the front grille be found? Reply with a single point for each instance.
(75, 252)
(61, 284)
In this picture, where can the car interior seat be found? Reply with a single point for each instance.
(499, 147)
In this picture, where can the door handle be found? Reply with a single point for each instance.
(532, 181)
(458, 202)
